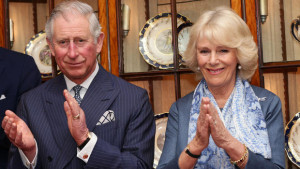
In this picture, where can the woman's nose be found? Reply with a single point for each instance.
(213, 59)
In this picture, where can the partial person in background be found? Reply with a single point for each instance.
(225, 122)
(18, 74)
(108, 124)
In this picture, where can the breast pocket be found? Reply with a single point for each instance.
(107, 131)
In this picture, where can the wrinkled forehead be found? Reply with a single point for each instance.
(69, 15)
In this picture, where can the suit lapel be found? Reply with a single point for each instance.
(58, 120)
(96, 101)
(99, 97)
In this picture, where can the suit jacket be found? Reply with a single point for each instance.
(18, 74)
(127, 142)
(177, 132)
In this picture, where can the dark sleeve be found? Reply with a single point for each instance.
(275, 129)
(138, 148)
(169, 159)
(30, 76)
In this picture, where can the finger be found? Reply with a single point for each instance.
(4, 121)
(212, 111)
(11, 114)
(13, 131)
(203, 108)
(18, 140)
(205, 100)
(73, 105)
(69, 98)
(67, 109)
(8, 126)
(212, 123)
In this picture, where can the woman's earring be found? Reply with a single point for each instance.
(198, 69)
(239, 67)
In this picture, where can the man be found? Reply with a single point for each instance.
(18, 74)
(111, 126)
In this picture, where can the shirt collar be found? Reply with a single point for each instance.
(85, 84)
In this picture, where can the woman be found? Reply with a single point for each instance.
(225, 122)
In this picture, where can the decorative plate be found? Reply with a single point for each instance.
(40, 51)
(155, 43)
(161, 125)
(292, 139)
(183, 37)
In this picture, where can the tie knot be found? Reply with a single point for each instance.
(77, 97)
(77, 88)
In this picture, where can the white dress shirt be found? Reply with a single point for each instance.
(85, 153)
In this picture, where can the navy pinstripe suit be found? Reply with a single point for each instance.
(127, 142)
(18, 74)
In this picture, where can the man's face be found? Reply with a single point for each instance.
(74, 48)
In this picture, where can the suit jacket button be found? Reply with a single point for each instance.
(49, 158)
(85, 156)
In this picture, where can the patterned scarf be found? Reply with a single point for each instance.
(242, 117)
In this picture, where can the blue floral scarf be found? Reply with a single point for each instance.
(241, 115)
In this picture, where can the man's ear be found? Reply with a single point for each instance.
(50, 44)
(100, 40)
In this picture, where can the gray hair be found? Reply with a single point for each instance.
(74, 7)
(224, 27)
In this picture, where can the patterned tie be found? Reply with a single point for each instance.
(77, 97)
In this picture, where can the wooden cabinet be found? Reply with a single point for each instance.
(164, 85)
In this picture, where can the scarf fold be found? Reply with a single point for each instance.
(243, 118)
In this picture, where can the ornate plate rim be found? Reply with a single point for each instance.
(32, 42)
(146, 28)
(158, 117)
(288, 129)
(180, 28)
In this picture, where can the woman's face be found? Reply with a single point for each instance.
(217, 64)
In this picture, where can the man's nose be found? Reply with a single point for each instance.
(72, 51)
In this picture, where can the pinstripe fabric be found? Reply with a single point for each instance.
(127, 142)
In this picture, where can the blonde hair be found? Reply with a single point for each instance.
(224, 27)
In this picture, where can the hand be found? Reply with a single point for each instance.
(201, 138)
(77, 126)
(19, 134)
(219, 133)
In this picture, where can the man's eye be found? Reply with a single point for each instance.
(79, 42)
(63, 43)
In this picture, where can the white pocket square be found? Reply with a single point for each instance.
(2, 97)
(108, 116)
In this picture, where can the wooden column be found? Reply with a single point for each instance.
(2, 23)
(108, 21)
(250, 12)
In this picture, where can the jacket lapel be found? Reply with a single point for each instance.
(58, 120)
(99, 96)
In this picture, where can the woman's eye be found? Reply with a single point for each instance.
(204, 51)
(224, 51)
